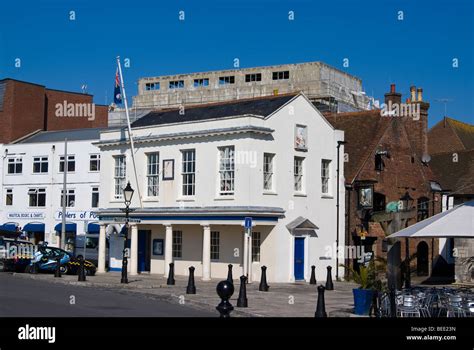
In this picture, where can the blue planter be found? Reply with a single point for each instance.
(362, 301)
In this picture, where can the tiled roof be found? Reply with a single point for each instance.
(362, 132)
(71, 135)
(455, 176)
(257, 106)
(464, 131)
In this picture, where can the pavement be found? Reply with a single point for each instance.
(282, 299)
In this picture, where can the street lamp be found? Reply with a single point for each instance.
(127, 196)
(407, 201)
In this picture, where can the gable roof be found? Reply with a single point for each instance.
(450, 135)
(257, 106)
(362, 132)
(457, 177)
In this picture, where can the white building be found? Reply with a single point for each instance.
(32, 185)
(203, 170)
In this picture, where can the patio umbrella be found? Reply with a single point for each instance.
(456, 222)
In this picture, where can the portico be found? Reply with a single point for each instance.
(199, 237)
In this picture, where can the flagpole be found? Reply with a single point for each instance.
(129, 131)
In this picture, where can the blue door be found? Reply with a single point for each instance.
(299, 258)
(144, 250)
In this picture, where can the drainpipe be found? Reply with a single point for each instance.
(339, 143)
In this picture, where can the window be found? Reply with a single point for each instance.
(9, 196)
(227, 80)
(226, 170)
(379, 164)
(37, 197)
(201, 82)
(15, 165)
(423, 208)
(379, 202)
(94, 162)
(152, 174)
(281, 75)
(71, 164)
(40, 165)
(253, 77)
(268, 171)
(176, 84)
(119, 176)
(70, 198)
(298, 174)
(325, 164)
(152, 86)
(95, 197)
(256, 241)
(189, 172)
(215, 235)
(177, 244)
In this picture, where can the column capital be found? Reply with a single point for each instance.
(167, 224)
(205, 224)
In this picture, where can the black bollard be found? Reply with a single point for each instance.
(230, 278)
(312, 280)
(124, 278)
(225, 289)
(393, 303)
(329, 284)
(242, 300)
(170, 280)
(57, 272)
(321, 306)
(191, 288)
(263, 280)
(81, 273)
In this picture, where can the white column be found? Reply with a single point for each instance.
(102, 245)
(134, 250)
(250, 257)
(168, 248)
(206, 253)
(245, 258)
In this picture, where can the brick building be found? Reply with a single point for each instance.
(389, 183)
(26, 108)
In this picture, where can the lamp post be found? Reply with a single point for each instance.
(127, 195)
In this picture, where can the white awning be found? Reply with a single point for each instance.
(456, 222)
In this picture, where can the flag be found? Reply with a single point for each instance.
(117, 91)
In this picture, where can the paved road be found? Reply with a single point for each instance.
(21, 297)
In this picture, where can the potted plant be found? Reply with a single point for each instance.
(368, 281)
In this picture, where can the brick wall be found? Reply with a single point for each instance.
(55, 98)
(30, 107)
(23, 110)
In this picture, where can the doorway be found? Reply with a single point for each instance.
(299, 258)
(422, 261)
(144, 250)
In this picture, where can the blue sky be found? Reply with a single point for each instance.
(419, 50)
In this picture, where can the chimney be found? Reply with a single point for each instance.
(420, 95)
(393, 96)
(413, 93)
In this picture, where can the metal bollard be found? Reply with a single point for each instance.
(191, 288)
(242, 300)
(225, 289)
(81, 273)
(312, 280)
(57, 272)
(263, 281)
(329, 284)
(321, 306)
(230, 278)
(124, 278)
(170, 280)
